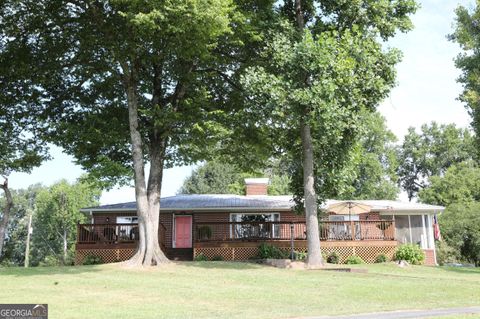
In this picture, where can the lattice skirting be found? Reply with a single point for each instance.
(367, 253)
(107, 255)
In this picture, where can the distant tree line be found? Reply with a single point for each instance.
(54, 213)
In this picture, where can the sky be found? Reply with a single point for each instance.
(426, 91)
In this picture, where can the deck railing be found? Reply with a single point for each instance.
(357, 230)
(221, 231)
(113, 233)
(329, 230)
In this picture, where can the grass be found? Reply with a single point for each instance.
(235, 290)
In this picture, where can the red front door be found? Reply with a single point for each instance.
(183, 231)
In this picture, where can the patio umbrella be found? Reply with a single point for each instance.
(348, 207)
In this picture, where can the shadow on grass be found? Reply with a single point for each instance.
(47, 271)
(462, 270)
(234, 265)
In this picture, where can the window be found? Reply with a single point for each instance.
(127, 232)
(127, 220)
(253, 225)
(402, 229)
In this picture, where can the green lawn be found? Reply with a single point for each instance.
(235, 290)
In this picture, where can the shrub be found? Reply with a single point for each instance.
(354, 260)
(333, 258)
(217, 258)
(92, 260)
(410, 253)
(266, 251)
(50, 261)
(446, 254)
(381, 259)
(297, 255)
(201, 257)
(204, 232)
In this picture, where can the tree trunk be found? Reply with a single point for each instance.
(6, 213)
(314, 258)
(148, 200)
(65, 246)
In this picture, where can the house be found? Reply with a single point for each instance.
(231, 227)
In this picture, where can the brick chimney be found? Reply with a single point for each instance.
(256, 186)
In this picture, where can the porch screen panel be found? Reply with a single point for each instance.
(402, 231)
(417, 230)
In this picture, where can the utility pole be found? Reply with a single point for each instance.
(29, 233)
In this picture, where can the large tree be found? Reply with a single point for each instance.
(467, 35)
(217, 177)
(323, 67)
(21, 149)
(459, 190)
(58, 213)
(373, 170)
(125, 83)
(431, 153)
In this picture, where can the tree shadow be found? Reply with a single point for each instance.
(462, 270)
(47, 271)
(233, 265)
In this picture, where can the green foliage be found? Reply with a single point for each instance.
(215, 177)
(354, 260)
(50, 261)
(411, 253)
(211, 178)
(460, 226)
(200, 257)
(459, 184)
(446, 254)
(217, 258)
(431, 153)
(92, 260)
(325, 77)
(267, 251)
(466, 35)
(374, 163)
(180, 58)
(56, 217)
(333, 258)
(24, 199)
(382, 258)
(300, 256)
(459, 190)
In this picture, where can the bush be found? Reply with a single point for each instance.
(446, 254)
(381, 259)
(266, 251)
(410, 253)
(217, 258)
(333, 258)
(92, 260)
(50, 261)
(297, 255)
(354, 260)
(201, 257)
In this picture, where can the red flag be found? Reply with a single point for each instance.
(436, 228)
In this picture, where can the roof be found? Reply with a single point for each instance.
(221, 202)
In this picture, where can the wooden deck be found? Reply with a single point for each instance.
(240, 240)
